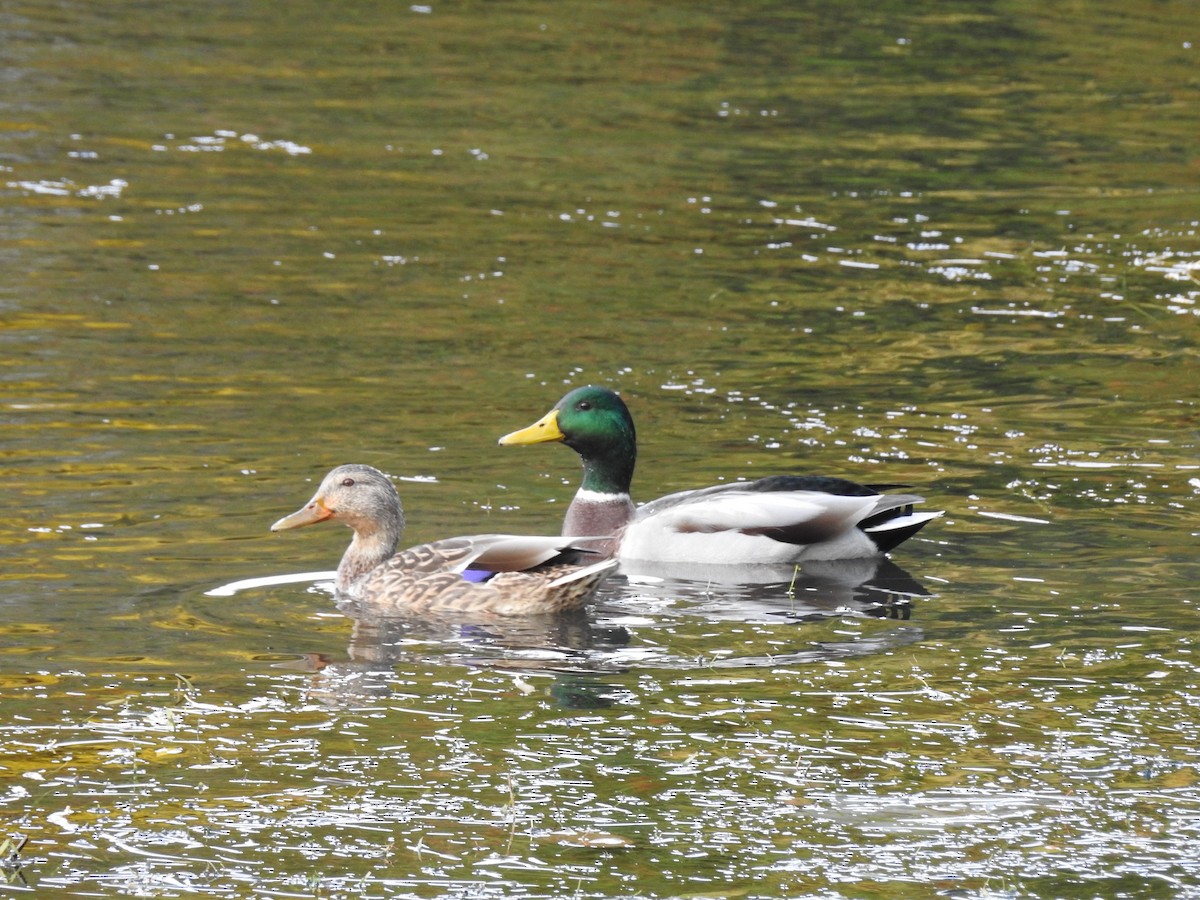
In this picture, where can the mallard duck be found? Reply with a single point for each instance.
(780, 519)
(499, 574)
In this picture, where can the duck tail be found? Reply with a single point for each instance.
(594, 574)
(893, 532)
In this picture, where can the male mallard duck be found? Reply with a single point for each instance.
(499, 574)
(774, 520)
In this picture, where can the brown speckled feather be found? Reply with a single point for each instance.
(525, 575)
(450, 555)
(395, 589)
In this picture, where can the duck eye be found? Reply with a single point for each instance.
(583, 405)
(347, 482)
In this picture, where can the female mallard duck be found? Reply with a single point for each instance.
(499, 574)
(774, 520)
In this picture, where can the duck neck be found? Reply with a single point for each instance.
(602, 505)
(369, 548)
(608, 469)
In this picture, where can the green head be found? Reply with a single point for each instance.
(595, 423)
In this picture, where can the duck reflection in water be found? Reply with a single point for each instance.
(561, 642)
(630, 626)
(874, 587)
(564, 646)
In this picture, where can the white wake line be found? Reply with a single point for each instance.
(228, 590)
(1008, 517)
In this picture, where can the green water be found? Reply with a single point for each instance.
(952, 245)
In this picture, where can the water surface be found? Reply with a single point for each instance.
(948, 245)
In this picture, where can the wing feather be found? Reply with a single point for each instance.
(794, 517)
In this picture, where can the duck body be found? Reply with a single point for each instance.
(780, 519)
(496, 574)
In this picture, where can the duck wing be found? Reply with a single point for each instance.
(488, 552)
(793, 517)
(792, 509)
